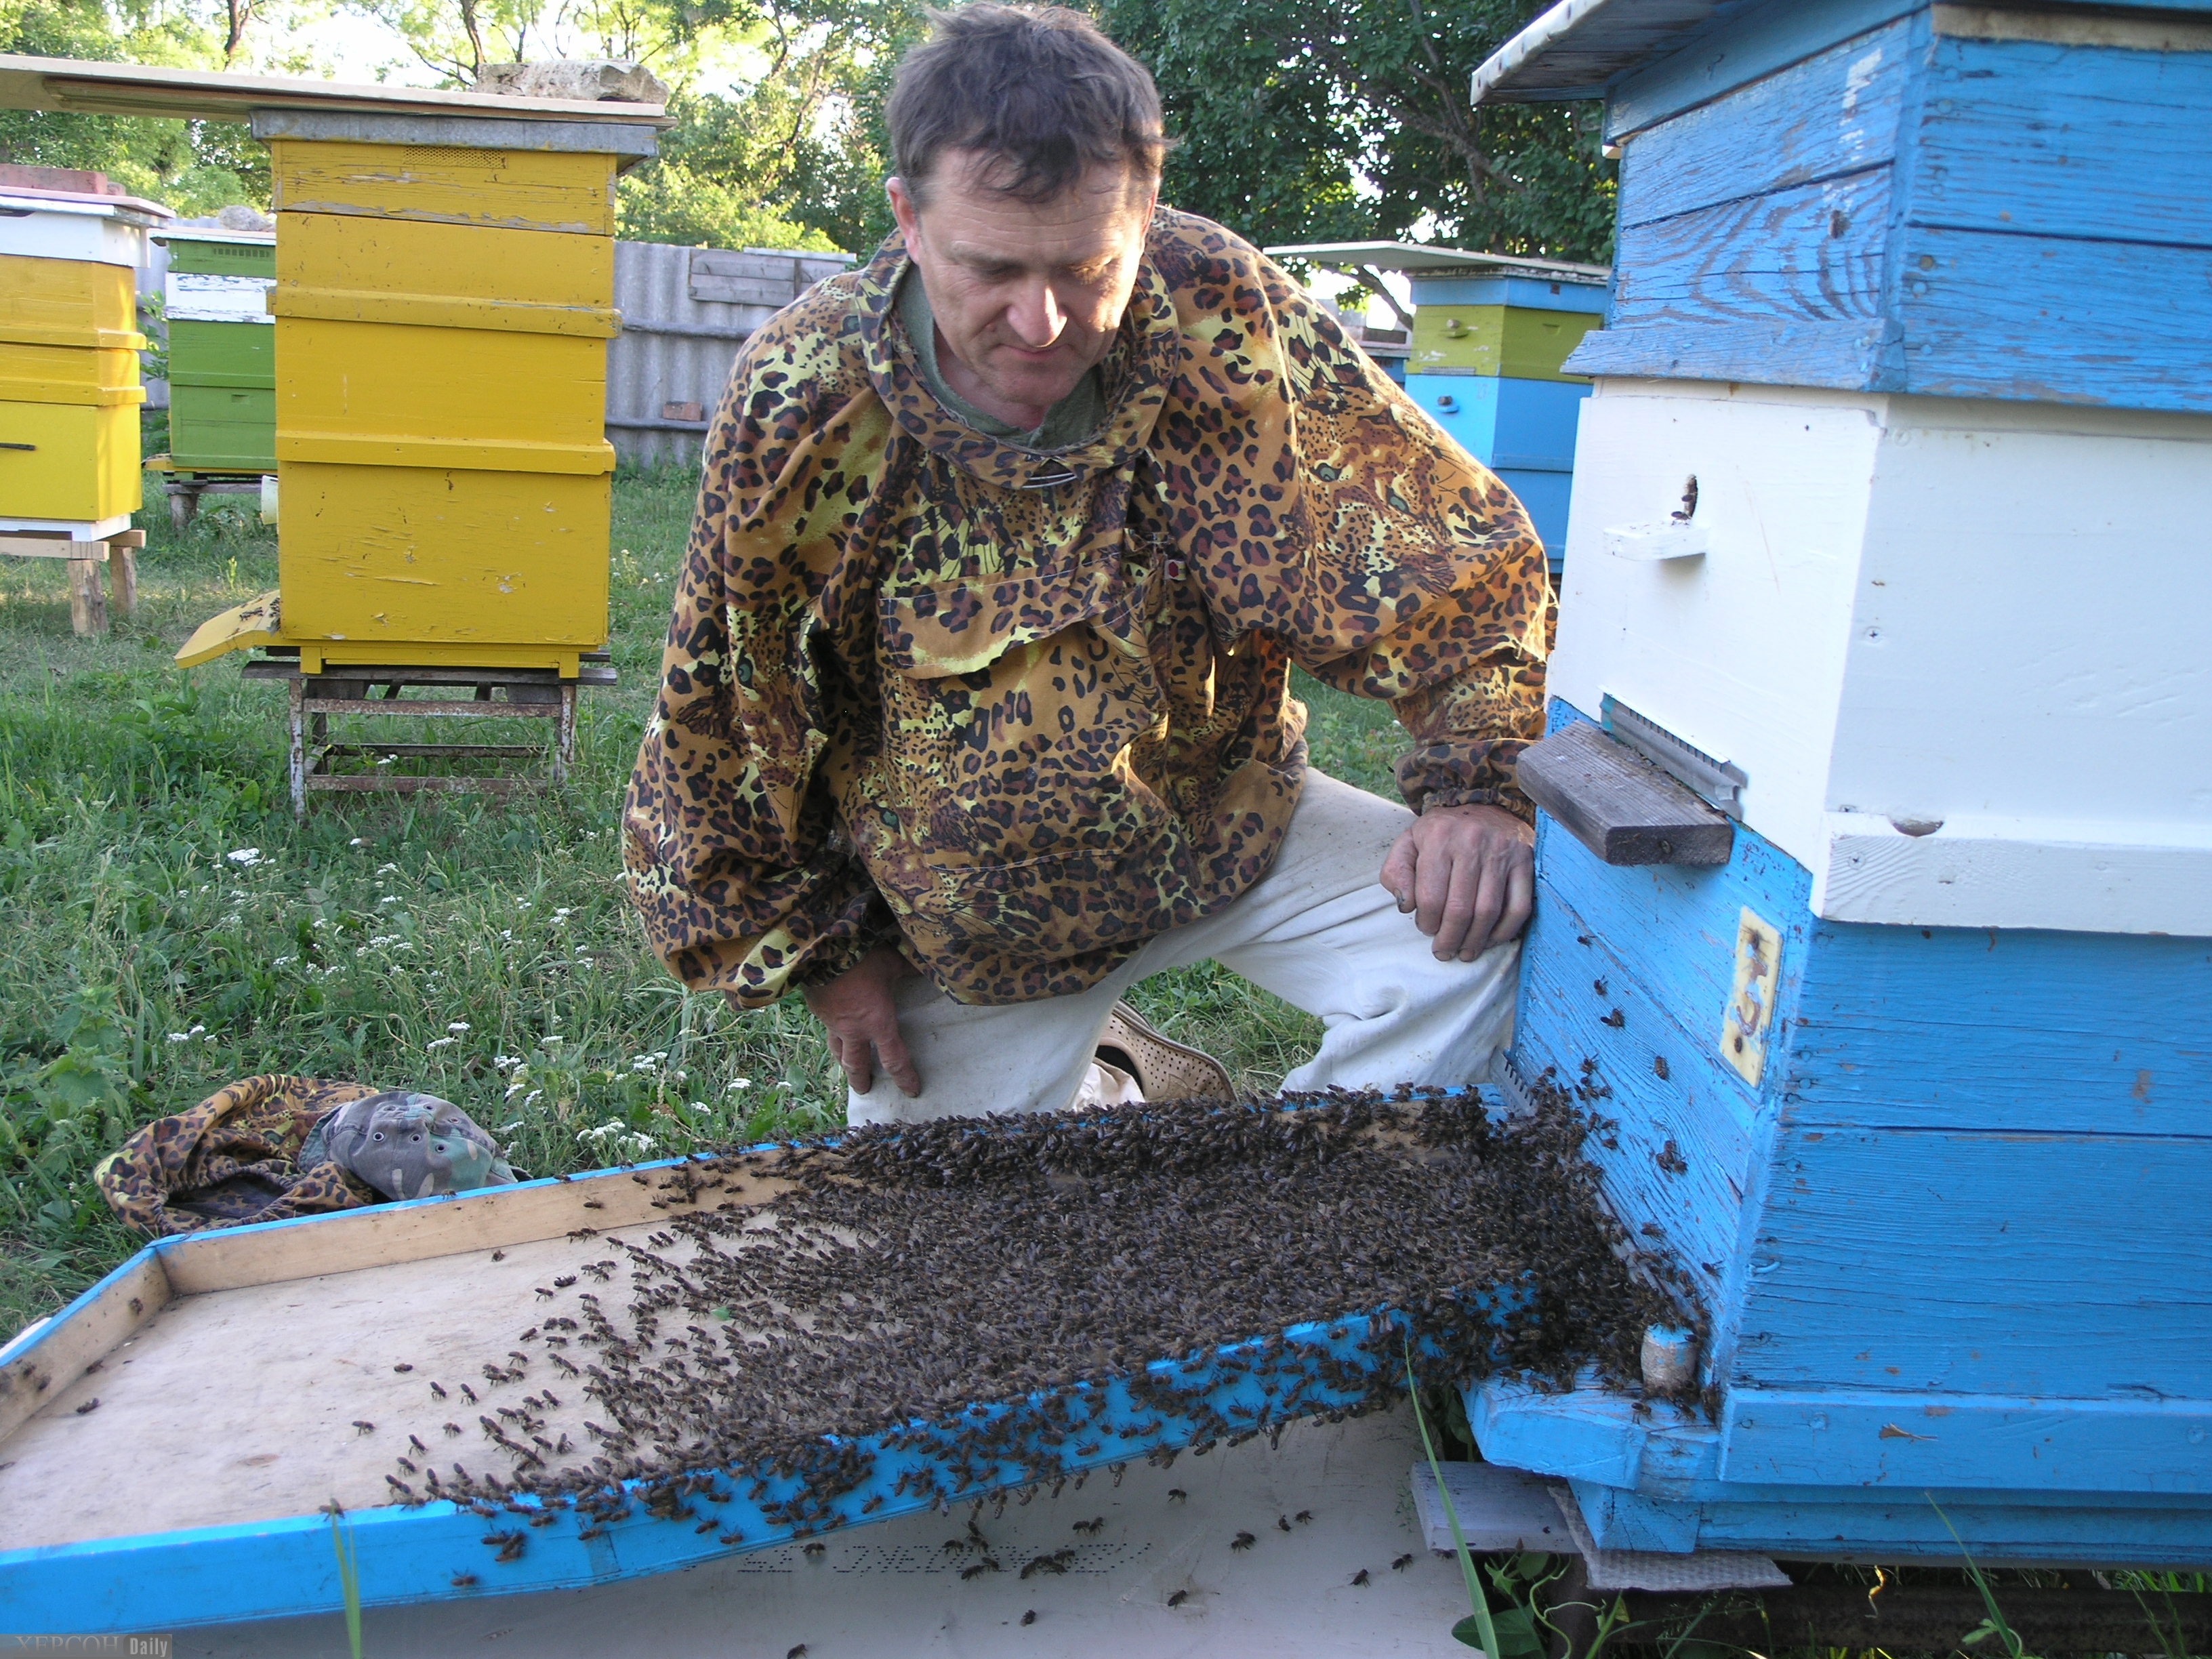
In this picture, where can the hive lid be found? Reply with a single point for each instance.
(1581, 48)
(1413, 258)
(63, 83)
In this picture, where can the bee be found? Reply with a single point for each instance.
(1282, 1523)
(90, 1406)
(437, 1391)
(593, 1204)
(987, 1564)
(1179, 1598)
(364, 1426)
(499, 1255)
(452, 1428)
(1616, 1019)
(407, 1466)
(416, 1443)
(1302, 1516)
(399, 1485)
(542, 1291)
(873, 1505)
(798, 1652)
(813, 1550)
(467, 1392)
(1243, 1541)
(465, 1580)
(1360, 1577)
(402, 1370)
(1030, 1618)
(564, 1282)
(1090, 1528)
(1176, 1492)
(1403, 1562)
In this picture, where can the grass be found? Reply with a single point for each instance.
(478, 949)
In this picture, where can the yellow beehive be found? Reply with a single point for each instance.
(442, 313)
(1514, 341)
(70, 390)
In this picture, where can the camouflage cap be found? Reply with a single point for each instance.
(410, 1145)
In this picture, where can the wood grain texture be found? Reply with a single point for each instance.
(81, 1335)
(2043, 319)
(1847, 356)
(1913, 1442)
(2012, 1264)
(2027, 137)
(1809, 253)
(1755, 44)
(2001, 1029)
(1835, 114)
(1618, 804)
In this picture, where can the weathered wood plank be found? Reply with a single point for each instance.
(1833, 114)
(81, 1335)
(2032, 138)
(2001, 1029)
(1916, 1441)
(1767, 39)
(2042, 319)
(1846, 356)
(1618, 804)
(1807, 253)
(2010, 1264)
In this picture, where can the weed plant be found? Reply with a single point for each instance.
(171, 928)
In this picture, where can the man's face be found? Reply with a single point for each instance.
(1027, 296)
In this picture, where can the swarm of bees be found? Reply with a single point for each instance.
(938, 1292)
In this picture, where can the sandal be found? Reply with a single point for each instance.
(1164, 1069)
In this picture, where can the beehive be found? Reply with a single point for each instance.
(1489, 351)
(442, 312)
(70, 388)
(222, 355)
(1888, 539)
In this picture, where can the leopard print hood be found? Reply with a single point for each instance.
(1019, 711)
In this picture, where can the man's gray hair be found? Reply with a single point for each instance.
(1038, 89)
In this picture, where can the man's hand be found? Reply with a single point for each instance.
(1468, 876)
(861, 1021)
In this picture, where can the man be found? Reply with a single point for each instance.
(976, 709)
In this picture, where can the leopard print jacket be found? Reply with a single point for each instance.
(1016, 711)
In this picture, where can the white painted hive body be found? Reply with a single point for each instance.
(1913, 1088)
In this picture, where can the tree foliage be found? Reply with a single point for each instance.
(1325, 120)
(1298, 120)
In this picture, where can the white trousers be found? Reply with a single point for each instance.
(1318, 930)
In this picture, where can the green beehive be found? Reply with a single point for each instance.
(222, 352)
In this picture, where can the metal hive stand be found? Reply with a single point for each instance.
(493, 694)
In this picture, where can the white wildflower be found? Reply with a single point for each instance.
(391, 899)
(180, 1037)
(560, 916)
(458, 1027)
(738, 1082)
(387, 869)
(440, 1042)
(283, 962)
(533, 1096)
(509, 1129)
(358, 840)
(551, 1042)
(243, 857)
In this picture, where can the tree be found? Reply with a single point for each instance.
(1326, 120)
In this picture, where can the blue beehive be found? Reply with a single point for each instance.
(1490, 333)
(1888, 542)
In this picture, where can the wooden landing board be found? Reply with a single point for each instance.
(1618, 804)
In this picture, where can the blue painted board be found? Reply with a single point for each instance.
(2026, 137)
(1811, 252)
(1847, 356)
(1747, 46)
(1948, 1027)
(2005, 1264)
(2052, 320)
(1913, 1442)
(1676, 1154)
(1611, 1446)
(1505, 421)
(1833, 114)
(266, 1570)
(1529, 292)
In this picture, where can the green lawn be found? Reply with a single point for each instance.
(481, 951)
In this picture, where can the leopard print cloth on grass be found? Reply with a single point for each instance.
(1017, 711)
(232, 1159)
